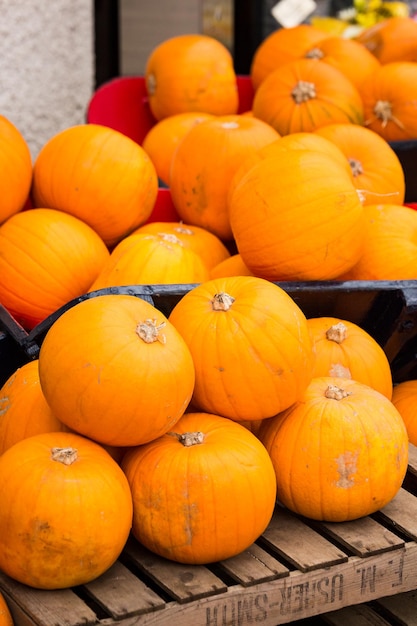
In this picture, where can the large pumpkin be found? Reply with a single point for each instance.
(74, 503)
(250, 345)
(15, 169)
(47, 258)
(203, 492)
(191, 72)
(340, 453)
(113, 368)
(98, 175)
(296, 215)
(23, 409)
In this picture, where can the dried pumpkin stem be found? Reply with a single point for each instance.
(333, 392)
(383, 111)
(149, 331)
(314, 53)
(356, 167)
(66, 456)
(222, 301)
(303, 91)
(189, 439)
(337, 332)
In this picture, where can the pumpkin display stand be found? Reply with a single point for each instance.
(298, 571)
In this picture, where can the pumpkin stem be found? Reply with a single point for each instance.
(315, 53)
(356, 167)
(170, 238)
(184, 230)
(222, 301)
(189, 439)
(337, 332)
(303, 91)
(151, 84)
(336, 393)
(148, 331)
(383, 111)
(66, 456)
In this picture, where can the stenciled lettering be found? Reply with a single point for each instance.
(239, 612)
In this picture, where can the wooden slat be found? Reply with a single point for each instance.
(412, 459)
(360, 615)
(401, 513)
(253, 566)
(363, 536)
(184, 583)
(401, 607)
(299, 544)
(121, 593)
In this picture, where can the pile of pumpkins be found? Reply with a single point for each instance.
(185, 429)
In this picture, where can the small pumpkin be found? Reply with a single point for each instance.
(344, 349)
(203, 492)
(232, 266)
(15, 169)
(114, 369)
(6, 618)
(74, 503)
(23, 409)
(340, 453)
(392, 39)
(404, 398)
(250, 345)
(191, 72)
(91, 171)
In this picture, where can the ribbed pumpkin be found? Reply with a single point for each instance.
(47, 258)
(191, 72)
(296, 215)
(390, 249)
(232, 266)
(201, 493)
(146, 259)
(376, 169)
(340, 453)
(393, 39)
(389, 98)
(162, 140)
(15, 169)
(74, 503)
(206, 244)
(404, 398)
(23, 409)
(305, 94)
(205, 162)
(114, 369)
(98, 175)
(5, 615)
(282, 46)
(250, 345)
(344, 349)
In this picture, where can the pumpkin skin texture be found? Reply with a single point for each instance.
(232, 266)
(202, 502)
(93, 172)
(23, 409)
(377, 172)
(404, 398)
(5, 615)
(114, 369)
(191, 72)
(390, 248)
(344, 349)
(47, 258)
(245, 334)
(15, 169)
(296, 215)
(390, 40)
(205, 162)
(76, 511)
(389, 96)
(340, 453)
(306, 94)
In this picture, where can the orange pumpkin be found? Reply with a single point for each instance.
(92, 172)
(74, 503)
(376, 169)
(5, 615)
(204, 163)
(344, 349)
(250, 346)
(146, 259)
(201, 493)
(191, 72)
(283, 46)
(15, 169)
(47, 258)
(232, 266)
(340, 453)
(404, 398)
(392, 39)
(204, 243)
(305, 94)
(23, 409)
(114, 369)
(390, 249)
(296, 215)
(389, 100)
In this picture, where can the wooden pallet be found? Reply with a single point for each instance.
(297, 569)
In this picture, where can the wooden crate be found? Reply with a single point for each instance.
(297, 569)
